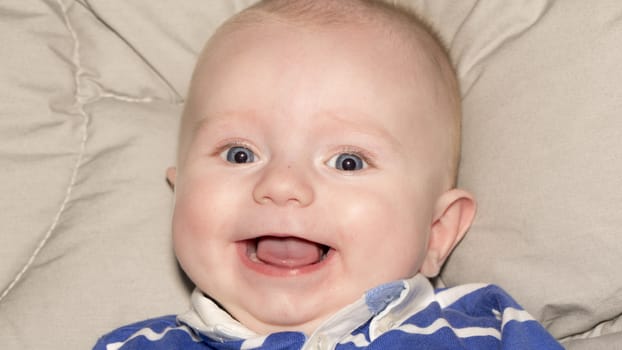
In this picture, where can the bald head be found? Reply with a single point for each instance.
(397, 22)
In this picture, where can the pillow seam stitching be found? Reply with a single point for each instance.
(82, 148)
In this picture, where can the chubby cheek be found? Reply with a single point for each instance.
(203, 203)
(391, 232)
(201, 216)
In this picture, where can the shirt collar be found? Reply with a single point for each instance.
(387, 306)
(209, 319)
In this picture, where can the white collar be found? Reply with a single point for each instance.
(387, 306)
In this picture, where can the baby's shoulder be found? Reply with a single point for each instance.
(156, 333)
(476, 298)
(490, 314)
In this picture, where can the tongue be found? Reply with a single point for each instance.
(288, 252)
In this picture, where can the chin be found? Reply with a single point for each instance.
(278, 313)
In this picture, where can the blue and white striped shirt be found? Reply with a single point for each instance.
(405, 314)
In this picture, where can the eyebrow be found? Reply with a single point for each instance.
(353, 123)
(328, 118)
(224, 118)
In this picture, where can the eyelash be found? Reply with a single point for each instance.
(366, 156)
(228, 144)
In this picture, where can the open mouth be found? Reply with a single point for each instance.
(285, 253)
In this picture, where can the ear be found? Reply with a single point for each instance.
(454, 212)
(171, 176)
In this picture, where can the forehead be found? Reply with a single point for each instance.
(349, 64)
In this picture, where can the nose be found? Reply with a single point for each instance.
(284, 184)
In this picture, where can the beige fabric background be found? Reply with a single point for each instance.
(90, 93)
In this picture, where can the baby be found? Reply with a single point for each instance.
(315, 191)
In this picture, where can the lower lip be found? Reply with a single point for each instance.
(277, 271)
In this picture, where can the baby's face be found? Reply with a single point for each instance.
(310, 174)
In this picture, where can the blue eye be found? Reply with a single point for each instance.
(347, 162)
(239, 155)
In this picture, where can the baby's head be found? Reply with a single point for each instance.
(317, 160)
